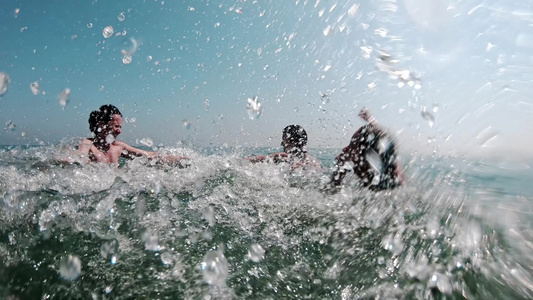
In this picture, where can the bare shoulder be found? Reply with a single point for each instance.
(120, 144)
(86, 141)
(85, 145)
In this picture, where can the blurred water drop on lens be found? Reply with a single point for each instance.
(209, 215)
(147, 142)
(109, 138)
(121, 17)
(4, 82)
(215, 268)
(167, 258)
(256, 253)
(254, 108)
(428, 117)
(130, 47)
(187, 124)
(34, 86)
(70, 268)
(64, 97)
(108, 31)
(151, 242)
(89, 25)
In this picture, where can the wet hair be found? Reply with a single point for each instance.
(296, 135)
(103, 115)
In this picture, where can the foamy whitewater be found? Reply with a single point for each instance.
(223, 228)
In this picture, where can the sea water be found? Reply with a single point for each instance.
(220, 227)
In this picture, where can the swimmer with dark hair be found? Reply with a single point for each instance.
(106, 124)
(371, 155)
(294, 143)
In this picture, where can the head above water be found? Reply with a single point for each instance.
(99, 119)
(294, 138)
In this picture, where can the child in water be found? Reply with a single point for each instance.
(294, 141)
(371, 155)
(106, 125)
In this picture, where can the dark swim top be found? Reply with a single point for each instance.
(377, 159)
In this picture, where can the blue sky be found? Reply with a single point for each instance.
(314, 63)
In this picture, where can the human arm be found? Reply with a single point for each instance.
(373, 124)
(79, 154)
(131, 152)
(275, 157)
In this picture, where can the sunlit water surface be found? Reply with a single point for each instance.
(222, 228)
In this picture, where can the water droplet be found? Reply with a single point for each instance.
(64, 97)
(256, 253)
(254, 108)
(10, 126)
(326, 30)
(89, 25)
(4, 82)
(187, 124)
(121, 17)
(70, 268)
(149, 58)
(147, 142)
(34, 86)
(108, 31)
(127, 59)
(428, 117)
(215, 268)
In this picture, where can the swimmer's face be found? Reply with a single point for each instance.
(113, 127)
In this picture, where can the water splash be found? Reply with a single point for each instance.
(34, 87)
(4, 83)
(256, 253)
(428, 117)
(108, 31)
(10, 126)
(254, 109)
(147, 142)
(64, 97)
